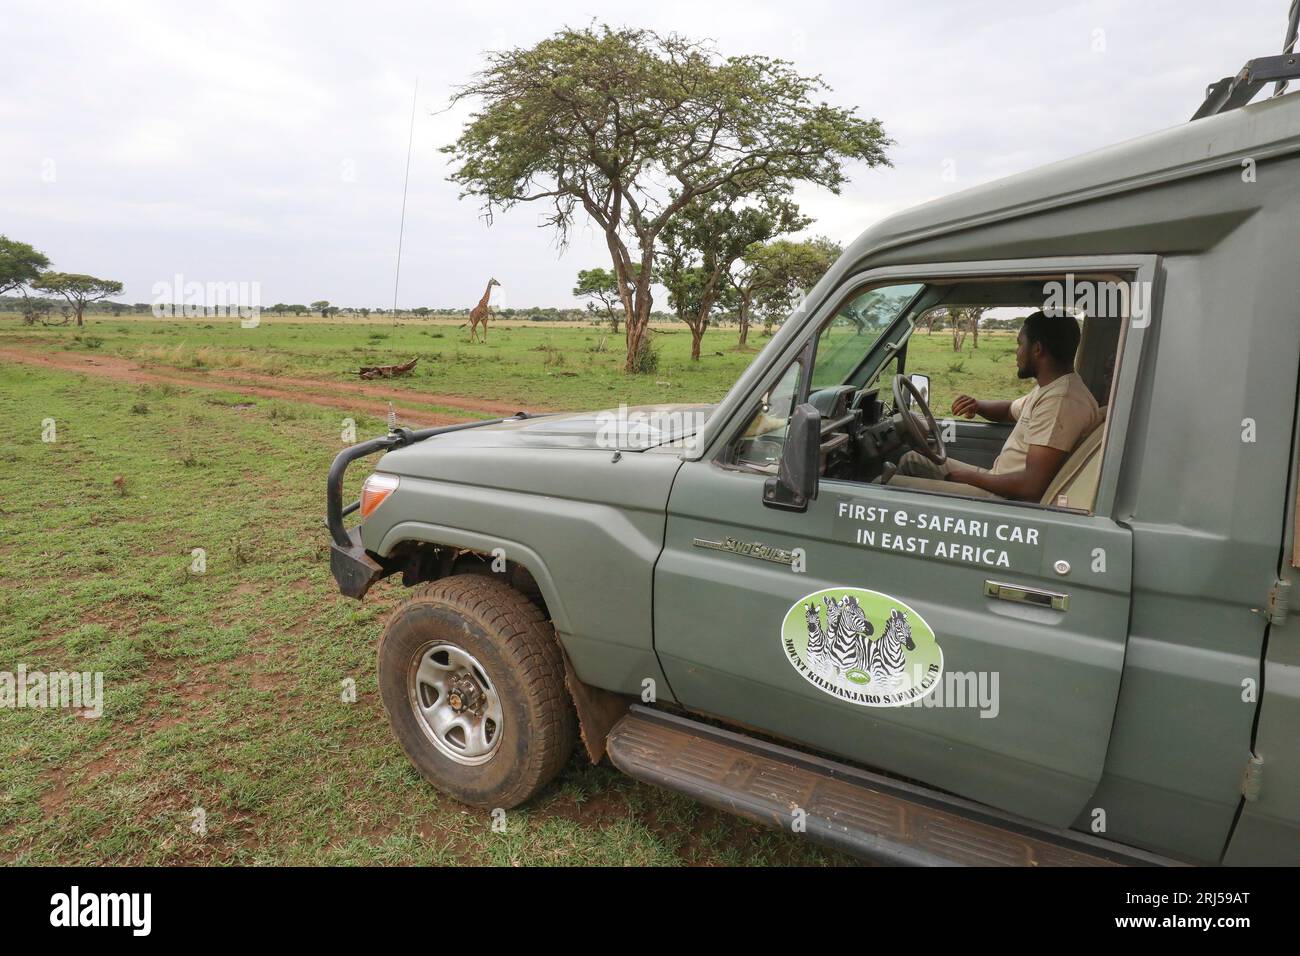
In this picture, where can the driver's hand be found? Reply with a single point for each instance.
(965, 406)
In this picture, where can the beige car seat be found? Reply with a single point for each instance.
(1075, 485)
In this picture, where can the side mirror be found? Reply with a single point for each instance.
(798, 470)
(922, 383)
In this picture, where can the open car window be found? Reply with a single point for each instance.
(950, 337)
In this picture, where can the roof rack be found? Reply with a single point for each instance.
(1234, 91)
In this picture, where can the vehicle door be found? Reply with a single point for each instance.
(1016, 615)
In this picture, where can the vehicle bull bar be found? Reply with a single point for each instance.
(354, 568)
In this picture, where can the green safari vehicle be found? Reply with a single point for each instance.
(750, 603)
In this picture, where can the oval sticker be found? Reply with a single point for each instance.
(862, 646)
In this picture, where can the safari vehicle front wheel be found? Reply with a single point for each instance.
(473, 682)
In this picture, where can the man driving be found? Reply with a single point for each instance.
(1049, 422)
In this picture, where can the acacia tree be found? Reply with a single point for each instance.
(630, 126)
(702, 244)
(748, 280)
(771, 276)
(78, 290)
(601, 286)
(965, 321)
(20, 265)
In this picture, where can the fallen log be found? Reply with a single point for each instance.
(387, 371)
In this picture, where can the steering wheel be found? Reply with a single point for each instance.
(920, 431)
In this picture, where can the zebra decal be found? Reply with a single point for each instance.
(885, 660)
(847, 650)
(829, 638)
(816, 637)
(832, 612)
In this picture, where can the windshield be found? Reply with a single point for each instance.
(854, 329)
(841, 346)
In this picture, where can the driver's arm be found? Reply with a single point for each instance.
(1029, 484)
(993, 410)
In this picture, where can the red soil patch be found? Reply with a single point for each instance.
(371, 399)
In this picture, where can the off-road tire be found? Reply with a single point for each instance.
(516, 645)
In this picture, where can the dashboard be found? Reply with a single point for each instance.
(857, 432)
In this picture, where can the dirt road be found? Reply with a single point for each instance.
(372, 399)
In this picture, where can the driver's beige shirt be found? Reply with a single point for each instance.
(1059, 416)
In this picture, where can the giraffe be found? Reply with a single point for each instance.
(480, 313)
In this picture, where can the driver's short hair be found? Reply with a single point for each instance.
(1057, 334)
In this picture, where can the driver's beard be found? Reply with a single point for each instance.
(1027, 372)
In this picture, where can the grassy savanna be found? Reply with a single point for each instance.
(533, 365)
(528, 365)
(223, 688)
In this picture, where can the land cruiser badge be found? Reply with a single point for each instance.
(862, 646)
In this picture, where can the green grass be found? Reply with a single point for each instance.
(986, 372)
(223, 689)
(519, 364)
(537, 365)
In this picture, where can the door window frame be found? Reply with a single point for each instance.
(1144, 269)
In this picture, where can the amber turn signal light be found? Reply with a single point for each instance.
(374, 490)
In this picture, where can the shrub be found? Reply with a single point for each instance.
(646, 359)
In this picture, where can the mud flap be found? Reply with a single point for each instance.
(597, 710)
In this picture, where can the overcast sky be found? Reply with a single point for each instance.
(265, 142)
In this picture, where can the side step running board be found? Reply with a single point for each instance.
(861, 813)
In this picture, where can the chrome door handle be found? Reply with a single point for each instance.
(1036, 597)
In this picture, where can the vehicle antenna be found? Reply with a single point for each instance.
(401, 229)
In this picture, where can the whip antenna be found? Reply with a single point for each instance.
(401, 229)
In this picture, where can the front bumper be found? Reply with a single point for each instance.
(354, 568)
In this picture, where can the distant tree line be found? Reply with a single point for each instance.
(30, 304)
(966, 322)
